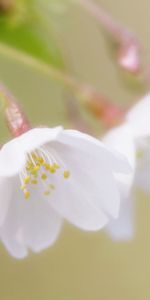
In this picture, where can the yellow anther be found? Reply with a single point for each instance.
(66, 174)
(30, 164)
(51, 186)
(34, 181)
(23, 187)
(44, 176)
(40, 160)
(47, 193)
(35, 170)
(29, 168)
(52, 169)
(56, 166)
(27, 180)
(47, 166)
(26, 194)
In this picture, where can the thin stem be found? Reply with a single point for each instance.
(85, 93)
(112, 26)
(74, 115)
(128, 52)
(46, 69)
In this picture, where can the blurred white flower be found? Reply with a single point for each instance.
(133, 140)
(121, 139)
(139, 121)
(51, 174)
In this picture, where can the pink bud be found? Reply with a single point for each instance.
(101, 107)
(16, 119)
(128, 56)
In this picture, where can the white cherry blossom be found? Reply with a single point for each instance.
(51, 174)
(121, 139)
(133, 140)
(138, 119)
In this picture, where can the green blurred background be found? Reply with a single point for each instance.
(80, 265)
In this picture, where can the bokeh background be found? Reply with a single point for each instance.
(80, 265)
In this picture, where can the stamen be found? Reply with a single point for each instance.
(47, 193)
(34, 181)
(27, 180)
(27, 194)
(47, 166)
(66, 174)
(52, 169)
(31, 159)
(40, 160)
(32, 174)
(51, 186)
(44, 176)
(56, 166)
(23, 187)
(34, 170)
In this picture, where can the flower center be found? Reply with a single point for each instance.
(41, 165)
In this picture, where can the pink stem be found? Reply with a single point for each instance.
(112, 26)
(128, 55)
(74, 116)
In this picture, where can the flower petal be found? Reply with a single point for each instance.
(41, 224)
(142, 178)
(123, 227)
(89, 193)
(12, 243)
(73, 204)
(6, 193)
(138, 117)
(29, 223)
(13, 154)
(89, 144)
(12, 159)
(122, 140)
(36, 137)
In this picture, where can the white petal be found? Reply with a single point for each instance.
(123, 227)
(12, 159)
(142, 176)
(122, 140)
(36, 137)
(12, 244)
(13, 154)
(91, 145)
(5, 197)
(74, 204)
(142, 179)
(138, 117)
(29, 224)
(90, 191)
(41, 224)
(124, 183)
